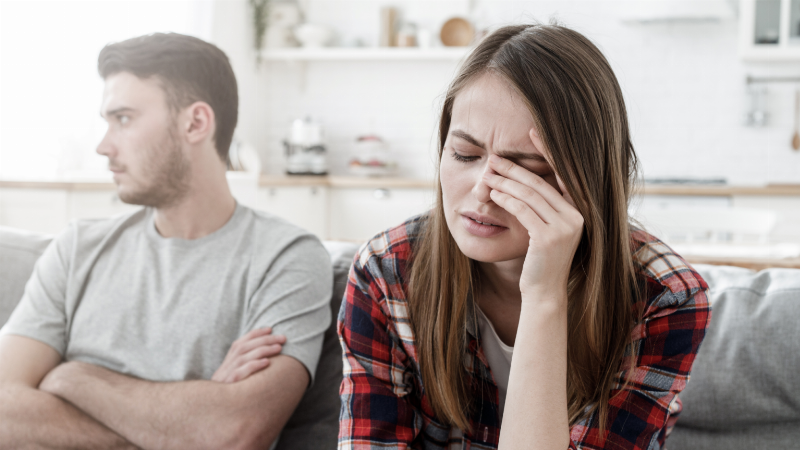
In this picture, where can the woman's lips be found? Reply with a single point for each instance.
(481, 229)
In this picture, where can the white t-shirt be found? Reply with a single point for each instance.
(497, 354)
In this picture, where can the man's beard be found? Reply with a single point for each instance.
(169, 175)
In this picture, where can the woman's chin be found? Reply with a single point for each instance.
(491, 250)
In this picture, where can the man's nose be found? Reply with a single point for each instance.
(105, 147)
(481, 190)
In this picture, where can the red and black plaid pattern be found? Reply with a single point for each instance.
(383, 400)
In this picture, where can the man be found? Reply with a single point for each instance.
(194, 322)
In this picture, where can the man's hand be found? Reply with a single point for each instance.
(248, 355)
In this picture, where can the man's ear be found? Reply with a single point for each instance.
(199, 122)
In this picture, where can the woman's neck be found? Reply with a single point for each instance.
(499, 297)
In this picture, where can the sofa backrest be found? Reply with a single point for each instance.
(19, 251)
(744, 390)
(315, 422)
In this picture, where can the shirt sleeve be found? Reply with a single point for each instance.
(294, 299)
(664, 346)
(41, 313)
(376, 410)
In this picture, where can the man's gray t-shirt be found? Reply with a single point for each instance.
(115, 293)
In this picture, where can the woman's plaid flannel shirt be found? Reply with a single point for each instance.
(383, 400)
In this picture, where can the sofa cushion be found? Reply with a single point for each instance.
(19, 251)
(315, 422)
(744, 388)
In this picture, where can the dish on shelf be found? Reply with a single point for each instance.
(457, 32)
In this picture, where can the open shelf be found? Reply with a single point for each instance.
(366, 54)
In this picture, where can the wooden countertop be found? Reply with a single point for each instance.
(417, 183)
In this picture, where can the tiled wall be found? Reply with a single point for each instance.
(683, 83)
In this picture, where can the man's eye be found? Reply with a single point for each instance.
(463, 158)
(123, 119)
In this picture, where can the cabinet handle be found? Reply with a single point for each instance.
(380, 193)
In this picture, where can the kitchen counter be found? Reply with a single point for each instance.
(418, 183)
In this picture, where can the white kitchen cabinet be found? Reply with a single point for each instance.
(769, 30)
(96, 205)
(788, 211)
(42, 210)
(359, 213)
(305, 206)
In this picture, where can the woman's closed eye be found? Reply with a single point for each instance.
(463, 158)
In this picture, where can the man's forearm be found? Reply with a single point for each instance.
(30, 418)
(189, 414)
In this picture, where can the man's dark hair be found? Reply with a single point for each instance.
(189, 70)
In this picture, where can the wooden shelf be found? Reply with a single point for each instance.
(345, 182)
(414, 183)
(721, 191)
(366, 54)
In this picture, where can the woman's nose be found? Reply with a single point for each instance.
(481, 190)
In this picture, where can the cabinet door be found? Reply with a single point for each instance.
(788, 211)
(96, 205)
(357, 214)
(305, 206)
(41, 210)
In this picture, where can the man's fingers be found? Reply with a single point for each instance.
(265, 351)
(248, 346)
(249, 369)
(256, 333)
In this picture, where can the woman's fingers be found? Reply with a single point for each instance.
(517, 173)
(519, 209)
(524, 193)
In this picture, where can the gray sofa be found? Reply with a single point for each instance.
(315, 422)
(744, 393)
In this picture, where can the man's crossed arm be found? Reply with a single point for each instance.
(79, 405)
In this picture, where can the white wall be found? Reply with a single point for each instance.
(683, 83)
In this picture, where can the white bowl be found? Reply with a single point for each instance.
(312, 35)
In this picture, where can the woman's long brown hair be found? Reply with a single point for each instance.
(579, 112)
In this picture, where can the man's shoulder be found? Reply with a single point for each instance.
(87, 232)
(668, 276)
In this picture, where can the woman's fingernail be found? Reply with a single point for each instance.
(494, 158)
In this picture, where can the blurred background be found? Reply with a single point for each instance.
(339, 101)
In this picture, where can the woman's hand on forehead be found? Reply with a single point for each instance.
(553, 223)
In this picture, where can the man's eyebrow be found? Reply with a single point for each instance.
(507, 154)
(116, 111)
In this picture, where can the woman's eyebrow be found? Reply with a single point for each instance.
(507, 154)
(520, 156)
(468, 137)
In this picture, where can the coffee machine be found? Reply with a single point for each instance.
(305, 149)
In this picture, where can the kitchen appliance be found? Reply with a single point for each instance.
(305, 149)
(373, 158)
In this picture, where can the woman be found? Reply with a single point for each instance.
(529, 251)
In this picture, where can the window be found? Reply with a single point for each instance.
(50, 91)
